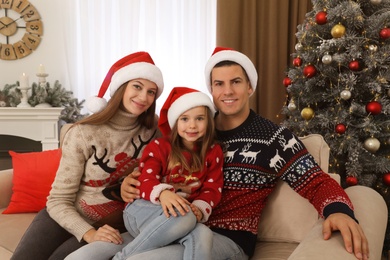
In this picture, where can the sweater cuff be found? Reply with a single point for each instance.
(155, 194)
(338, 207)
(205, 208)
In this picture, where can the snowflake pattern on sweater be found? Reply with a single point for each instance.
(257, 154)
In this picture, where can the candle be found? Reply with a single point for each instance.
(41, 69)
(24, 81)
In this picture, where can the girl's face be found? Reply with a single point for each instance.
(192, 125)
(139, 96)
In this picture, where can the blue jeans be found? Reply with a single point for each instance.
(151, 229)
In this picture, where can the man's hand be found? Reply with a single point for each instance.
(354, 239)
(129, 190)
(171, 201)
(105, 233)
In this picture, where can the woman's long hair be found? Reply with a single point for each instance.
(198, 155)
(113, 105)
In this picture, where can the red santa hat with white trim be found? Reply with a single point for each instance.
(138, 65)
(179, 101)
(228, 54)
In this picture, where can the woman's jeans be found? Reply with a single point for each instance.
(151, 229)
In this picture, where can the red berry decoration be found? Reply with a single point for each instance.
(352, 181)
(309, 71)
(321, 18)
(287, 81)
(374, 108)
(354, 65)
(340, 128)
(386, 179)
(384, 33)
(297, 62)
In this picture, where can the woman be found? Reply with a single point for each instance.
(97, 152)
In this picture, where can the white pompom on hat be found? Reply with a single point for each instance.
(180, 100)
(229, 54)
(138, 65)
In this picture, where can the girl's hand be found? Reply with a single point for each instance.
(129, 190)
(171, 201)
(105, 233)
(198, 214)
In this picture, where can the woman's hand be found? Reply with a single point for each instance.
(129, 190)
(105, 233)
(171, 201)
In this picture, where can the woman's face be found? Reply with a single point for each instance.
(139, 96)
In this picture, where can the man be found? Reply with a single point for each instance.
(255, 159)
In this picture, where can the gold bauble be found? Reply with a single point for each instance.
(338, 31)
(307, 113)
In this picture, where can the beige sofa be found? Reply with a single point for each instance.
(290, 227)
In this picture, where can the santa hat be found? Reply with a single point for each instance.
(228, 54)
(136, 65)
(180, 100)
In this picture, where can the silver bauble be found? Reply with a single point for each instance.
(373, 48)
(327, 59)
(372, 144)
(291, 106)
(298, 46)
(345, 94)
(375, 2)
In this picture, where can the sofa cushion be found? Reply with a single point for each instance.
(33, 175)
(288, 217)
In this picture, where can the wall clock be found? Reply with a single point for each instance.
(21, 29)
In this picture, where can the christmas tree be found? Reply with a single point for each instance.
(338, 86)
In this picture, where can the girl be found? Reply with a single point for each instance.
(189, 155)
(97, 152)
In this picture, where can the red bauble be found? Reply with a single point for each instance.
(297, 62)
(321, 18)
(309, 71)
(287, 81)
(354, 65)
(384, 33)
(374, 107)
(386, 179)
(340, 128)
(352, 181)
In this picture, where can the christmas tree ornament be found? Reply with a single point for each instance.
(291, 105)
(354, 65)
(309, 71)
(345, 94)
(388, 92)
(373, 47)
(351, 181)
(298, 46)
(338, 31)
(375, 2)
(384, 33)
(372, 144)
(297, 62)
(327, 59)
(374, 108)
(386, 179)
(321, 18)
(287, 81)
(340, 128)
(307, 113)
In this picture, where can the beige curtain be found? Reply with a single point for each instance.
(265, 31)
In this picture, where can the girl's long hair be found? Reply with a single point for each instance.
(198, 155)
(146, 119)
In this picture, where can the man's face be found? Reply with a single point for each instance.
(230, 89)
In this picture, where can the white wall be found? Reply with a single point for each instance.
(50, 51)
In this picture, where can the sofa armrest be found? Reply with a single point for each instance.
(370, 210)
(5, 187)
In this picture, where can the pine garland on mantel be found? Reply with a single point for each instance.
(56, 96)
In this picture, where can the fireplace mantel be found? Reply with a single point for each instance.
(39, 124)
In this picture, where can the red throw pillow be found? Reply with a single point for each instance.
(33, 175)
